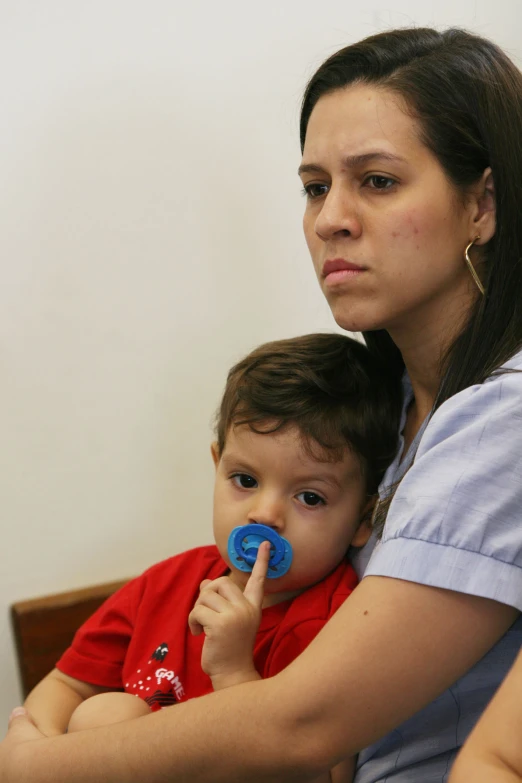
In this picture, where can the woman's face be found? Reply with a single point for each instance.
(385, 228)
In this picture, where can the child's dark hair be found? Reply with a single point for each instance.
(330, 387)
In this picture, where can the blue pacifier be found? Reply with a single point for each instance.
(244, 542)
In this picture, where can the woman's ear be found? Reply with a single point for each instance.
(484, 212)
(214, 450)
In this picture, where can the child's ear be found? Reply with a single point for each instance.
(362, 534)
(214, 450)
(364, 531)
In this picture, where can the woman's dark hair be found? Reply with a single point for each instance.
(466, 95)
(327, 385)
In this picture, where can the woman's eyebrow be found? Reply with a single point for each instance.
(310, 168)
(353, 161)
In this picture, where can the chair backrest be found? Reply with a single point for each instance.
(44, 627)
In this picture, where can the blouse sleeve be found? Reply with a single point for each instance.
(456, 519)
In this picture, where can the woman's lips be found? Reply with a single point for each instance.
(336, 270)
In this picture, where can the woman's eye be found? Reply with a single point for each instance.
(311, 499)
(314, 190)
(380, 182)
(244, 481)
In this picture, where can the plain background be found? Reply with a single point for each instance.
(150, 235)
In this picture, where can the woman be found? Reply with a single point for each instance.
(412, 168)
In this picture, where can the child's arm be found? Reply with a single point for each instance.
(52, 702)
(493, 751)
(230, 620)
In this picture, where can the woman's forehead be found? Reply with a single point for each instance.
(358, 120)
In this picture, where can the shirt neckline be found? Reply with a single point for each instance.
(397, 469)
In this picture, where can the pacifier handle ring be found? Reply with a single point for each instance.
(244, 542)
(243, 546)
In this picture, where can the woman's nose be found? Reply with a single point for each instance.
(338, 216)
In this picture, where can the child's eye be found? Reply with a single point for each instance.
(379, 182)
(311, 499)
(314, 190)
(244, 481)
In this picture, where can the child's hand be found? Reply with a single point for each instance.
(230, 620)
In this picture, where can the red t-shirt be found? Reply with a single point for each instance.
(139, 640)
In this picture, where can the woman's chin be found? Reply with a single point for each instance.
(350, 322)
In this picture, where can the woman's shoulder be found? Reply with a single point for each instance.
(496, 403)
(515, 363)
(455, 518)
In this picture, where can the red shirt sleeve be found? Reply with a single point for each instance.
(307, 615)
(98, 650)
(291, 645)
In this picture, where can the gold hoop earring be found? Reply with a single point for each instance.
(472, 268)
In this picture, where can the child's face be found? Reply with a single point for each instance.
(317, 506)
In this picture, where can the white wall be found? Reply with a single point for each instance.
(150, 236)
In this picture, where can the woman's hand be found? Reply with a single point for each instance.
(230, 619)
(20, 732)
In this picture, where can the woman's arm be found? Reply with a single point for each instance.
(493, 751)
(365, 673)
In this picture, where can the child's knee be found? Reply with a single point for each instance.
(107, 708)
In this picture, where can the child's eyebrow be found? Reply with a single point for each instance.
(348, 478)
(237, 459)
(333, 481)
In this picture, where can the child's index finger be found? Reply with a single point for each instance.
(254, 588)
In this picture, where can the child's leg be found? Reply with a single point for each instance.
(107, 708)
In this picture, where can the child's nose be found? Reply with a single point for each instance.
(268, 511)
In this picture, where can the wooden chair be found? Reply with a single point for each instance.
(44, 627)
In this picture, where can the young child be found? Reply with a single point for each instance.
(305, 431)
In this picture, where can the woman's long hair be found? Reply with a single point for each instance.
(466, 95)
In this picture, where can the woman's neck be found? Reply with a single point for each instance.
(423, 362)
(422, 359)
(423, 344)
(425, 382)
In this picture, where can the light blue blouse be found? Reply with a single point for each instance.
(455, 522)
